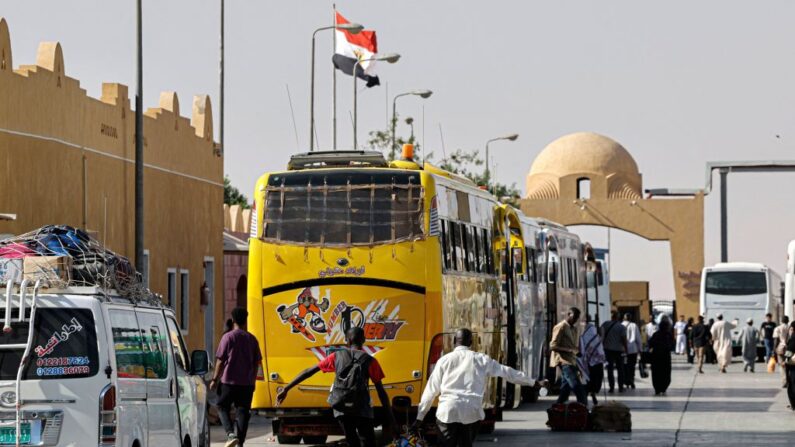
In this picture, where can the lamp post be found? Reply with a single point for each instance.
(511, 137)
(8, 216)
(424, 94)
(139, 144)
(391, 58)
(353, 28)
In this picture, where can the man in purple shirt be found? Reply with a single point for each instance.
(236, 363)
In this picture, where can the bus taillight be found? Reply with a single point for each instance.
(260, 373)
(435, 353)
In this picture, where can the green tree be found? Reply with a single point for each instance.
(233, 196)
(381, 140)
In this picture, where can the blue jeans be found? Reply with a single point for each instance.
(570, 381)
(768, 350)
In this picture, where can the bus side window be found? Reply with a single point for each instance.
(485, 234)
(445, 243)
(529, 270)
(470, 249)
(478, 243)
(572, 273)
(455, 239)
(564, 269)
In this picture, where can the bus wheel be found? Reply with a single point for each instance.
(283, 439)
(529, 394)
(315, 440)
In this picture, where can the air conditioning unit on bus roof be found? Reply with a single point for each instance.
(327, 159)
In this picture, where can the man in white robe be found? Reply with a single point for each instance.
(722, 341)
(681, 337)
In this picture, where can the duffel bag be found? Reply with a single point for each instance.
(611, 416)
(572, 416)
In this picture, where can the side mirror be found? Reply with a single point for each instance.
(199, 362)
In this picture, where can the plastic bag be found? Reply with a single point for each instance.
(408, 440)
(771, 365)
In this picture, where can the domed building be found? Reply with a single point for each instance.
(584, 165)
(589, 179)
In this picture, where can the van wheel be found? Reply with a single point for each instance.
(186, 443)
(314, 440)
(283, 439)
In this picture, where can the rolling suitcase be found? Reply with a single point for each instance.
(571, 416)
(611, 416)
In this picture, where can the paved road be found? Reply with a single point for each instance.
(712, 408)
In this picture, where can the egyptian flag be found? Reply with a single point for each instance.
(353, 47)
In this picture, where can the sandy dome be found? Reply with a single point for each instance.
(584, 154)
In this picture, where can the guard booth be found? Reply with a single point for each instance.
(631, 297)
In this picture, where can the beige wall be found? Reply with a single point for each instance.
(66, 158)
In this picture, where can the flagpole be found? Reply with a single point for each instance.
(334, 83)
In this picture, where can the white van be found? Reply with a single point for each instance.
(102, 370)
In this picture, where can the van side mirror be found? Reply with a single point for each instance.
(199, 362)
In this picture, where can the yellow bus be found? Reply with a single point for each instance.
(408, 253)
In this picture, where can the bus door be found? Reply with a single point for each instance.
(551, 285)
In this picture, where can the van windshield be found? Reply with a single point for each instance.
(64, 346)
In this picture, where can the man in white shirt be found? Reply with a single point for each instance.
(633, 348)
(681, 337)
(459, 379)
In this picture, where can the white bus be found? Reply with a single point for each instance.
(741, 290)
(789, 287)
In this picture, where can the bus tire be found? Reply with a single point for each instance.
(315, 440)
(290, 440)
(529, 394)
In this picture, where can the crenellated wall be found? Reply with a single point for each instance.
(68, 158)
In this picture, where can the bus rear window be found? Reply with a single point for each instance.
(64, 346)
(736, 283)
(346, 207)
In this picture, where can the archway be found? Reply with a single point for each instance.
(616, 201)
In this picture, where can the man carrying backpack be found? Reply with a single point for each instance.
(459, 379)
(350, 394)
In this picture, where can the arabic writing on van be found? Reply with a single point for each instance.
(59, 337)
(329, 272)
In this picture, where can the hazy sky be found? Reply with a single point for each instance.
(678, 83)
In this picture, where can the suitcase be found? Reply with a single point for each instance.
(571, 416)
(611, 416)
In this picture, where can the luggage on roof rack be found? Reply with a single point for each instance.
(63, 256)
(337, 159)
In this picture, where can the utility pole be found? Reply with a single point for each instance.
(221, 89)
(139, 147)
(724, 220)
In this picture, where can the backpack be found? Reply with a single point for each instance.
(351, 392)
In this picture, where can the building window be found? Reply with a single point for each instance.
(584, 188)
(172, 288)
(184, 316)
(145, 273)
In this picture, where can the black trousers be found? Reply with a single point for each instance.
(615, 361)
(791, 386)
(359, 431)
(629, 369)
(240, 396)
(456, 434)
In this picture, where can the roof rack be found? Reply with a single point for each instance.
(327, 159)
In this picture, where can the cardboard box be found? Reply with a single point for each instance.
(51, 269)
(10, 270)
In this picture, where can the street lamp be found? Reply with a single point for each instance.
(511, 137)
(353, 28)
(391, 58)
(424, 94)
(8, 217)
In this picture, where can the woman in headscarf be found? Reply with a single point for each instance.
(591, 361)
(660, 346)
(789, 358)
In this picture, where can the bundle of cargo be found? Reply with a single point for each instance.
(62, 256)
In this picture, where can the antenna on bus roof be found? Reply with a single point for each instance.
(292, 112)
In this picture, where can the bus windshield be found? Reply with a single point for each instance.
(343, 207)
(736, 283)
